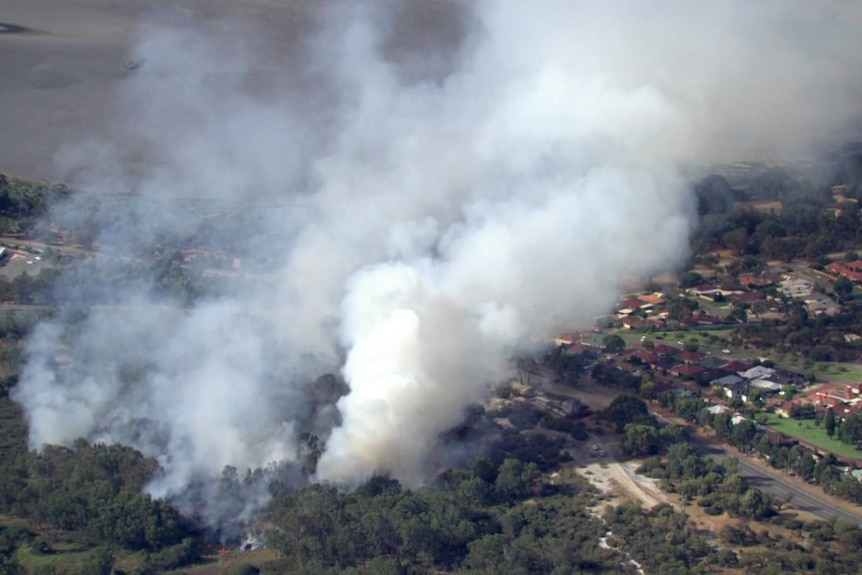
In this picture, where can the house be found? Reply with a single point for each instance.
(766, 385)
(747, 298)
(634, 322)
(716, 409)
(818, 304)
(630, 304)
(727, 380)
(691, 356)
(710, 374)
(703, 319)
(648, 357)
(664, 349)
(736, 366)
(687, 370)
(712, 362)
(795, 287)
(850, 270)
(712, 292)
(737, 419)
(566, 339)
(655, 298)
(835, 394)
(752, 281)
(757, 372)
(736, 390)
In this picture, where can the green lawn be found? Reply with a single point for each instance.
(812, 434)
(840, 372)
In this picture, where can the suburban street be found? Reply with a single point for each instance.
(811, 499)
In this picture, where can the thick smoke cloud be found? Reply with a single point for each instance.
(454, 181)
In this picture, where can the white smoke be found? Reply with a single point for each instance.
(443, 208)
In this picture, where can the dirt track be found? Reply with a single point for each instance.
(619, 479)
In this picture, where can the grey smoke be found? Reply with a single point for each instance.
(439, 207)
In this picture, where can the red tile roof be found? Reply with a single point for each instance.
(691, 356)
(688, 370)
(747, 297)
(846, 270)
(663, 349)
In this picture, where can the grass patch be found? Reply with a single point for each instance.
(62, 562)
(840, 372)
(812, 434)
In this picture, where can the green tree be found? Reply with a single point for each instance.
(625, 409)
(737, 240)
(738, 314)
(640, 440)
(515, 479)
(614, 344)
(101, 562)
(690, 279)
(829, 423)
(843, 286)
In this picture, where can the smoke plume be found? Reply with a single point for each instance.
(440, 186)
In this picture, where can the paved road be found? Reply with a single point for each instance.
(778, 485)
(812, 499)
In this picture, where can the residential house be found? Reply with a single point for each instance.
(634, 322)
(736, 390)
(757, 372)
(727, 380)
(795, 287)
(648, 357)
(566, 339)
(687, 370)
(664, 349)
(691, 356)
(850, 270)
(818, 304)
(712, 362)
(747, 298)
(712, 292)
(655, 298)
(752, 281)
(735, 366)
(766, 385)
(828, 394)
(703, 319)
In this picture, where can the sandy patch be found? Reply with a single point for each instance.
(621, 480)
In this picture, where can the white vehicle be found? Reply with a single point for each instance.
(38, 258)
(725, 351)
(29, 262)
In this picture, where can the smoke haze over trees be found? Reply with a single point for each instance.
(441, 201)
